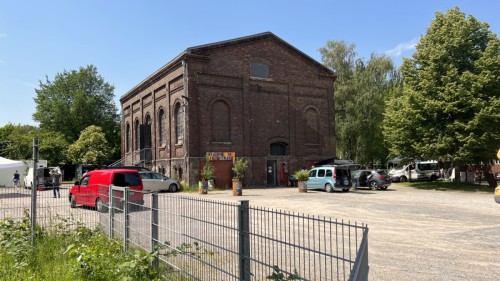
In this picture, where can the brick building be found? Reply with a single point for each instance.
(255, 97)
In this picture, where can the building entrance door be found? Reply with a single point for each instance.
(271, 172)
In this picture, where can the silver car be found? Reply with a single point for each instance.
(154, 181)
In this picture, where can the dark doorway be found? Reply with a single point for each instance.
(271, 172)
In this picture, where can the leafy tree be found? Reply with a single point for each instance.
(19, 143)
(75, 100)
(450, 108)
(360, 93)
(91, 148)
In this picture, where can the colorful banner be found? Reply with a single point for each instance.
(221, 156)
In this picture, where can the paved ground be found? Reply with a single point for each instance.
(413, 234)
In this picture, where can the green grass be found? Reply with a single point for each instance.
(68, 252)
(447, 185)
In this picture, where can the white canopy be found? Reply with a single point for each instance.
(8, 168)
(7, 163)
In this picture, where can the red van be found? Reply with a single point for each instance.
(93, 188)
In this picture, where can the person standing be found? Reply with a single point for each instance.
(56, 178)
(15, 180)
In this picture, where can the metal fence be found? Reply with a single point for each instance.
(200, 239)
(213, 240)
(16, 204)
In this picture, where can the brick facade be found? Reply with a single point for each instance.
(212, 103)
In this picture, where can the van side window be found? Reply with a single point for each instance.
(329, 173)
(321, 173)
(312, 173)
(85, 181)
(119, 180)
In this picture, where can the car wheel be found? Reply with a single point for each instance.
(99, 205)
(402, 179)
(72, 201)
(384, 188)
(172, 188)
(433, 178)
(328, 187)
(374, 185)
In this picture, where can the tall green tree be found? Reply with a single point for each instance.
(360, 93)
(91, 148)
(75, 100)
(19, 143)
(450, 106)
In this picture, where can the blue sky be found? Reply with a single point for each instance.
(129, 40)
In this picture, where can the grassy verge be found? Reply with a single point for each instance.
(68, 252)
(447, 185)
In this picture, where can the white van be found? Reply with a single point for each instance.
(418, 171)
(43, 175)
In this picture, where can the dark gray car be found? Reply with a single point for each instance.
(373, 179)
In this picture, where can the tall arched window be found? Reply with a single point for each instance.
(312, 126)
(221, 122)
(161, 128)
(127, 137)
(137, 135)
(179, 124)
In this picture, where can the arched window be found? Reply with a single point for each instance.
(179, 124)
(221, 122)
(161, 128)
(312, 126)
(148, 119)
(127, 137)
(137, 135)
(278, 149)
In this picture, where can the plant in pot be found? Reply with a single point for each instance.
(239, 168)
(207, 173)
(301, 176)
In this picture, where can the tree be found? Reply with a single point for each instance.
(360, 93)
(19, 143)
(75, 100)
(91, 148)
(450, 106)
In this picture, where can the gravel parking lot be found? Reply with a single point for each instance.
(414, 234)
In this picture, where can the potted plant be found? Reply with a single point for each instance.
(207, 173)
(239, 168)
(301, 176)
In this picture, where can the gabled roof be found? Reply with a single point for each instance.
(197, 49)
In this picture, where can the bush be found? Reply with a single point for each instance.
(301, 175)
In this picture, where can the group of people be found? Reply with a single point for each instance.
(56, 175)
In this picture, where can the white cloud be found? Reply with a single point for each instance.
(3, 35)
(401, 48)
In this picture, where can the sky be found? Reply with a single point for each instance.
(129, 40)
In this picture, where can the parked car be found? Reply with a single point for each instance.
(93, 188)
(329, 178)
(373, 179)
(418, 171)
(43, 175)
(497, 194)
(157, 182)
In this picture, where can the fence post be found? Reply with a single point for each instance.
(34, 187)
(110, 211)
(244, 239)
(154, 226)
(126, 218)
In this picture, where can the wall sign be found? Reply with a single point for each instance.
(221, 156)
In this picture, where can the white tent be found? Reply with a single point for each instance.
(8, 168)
